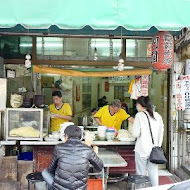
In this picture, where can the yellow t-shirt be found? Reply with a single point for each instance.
(65, 110)
(111, 120)
(131, 86)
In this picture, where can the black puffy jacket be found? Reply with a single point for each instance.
(70, 165)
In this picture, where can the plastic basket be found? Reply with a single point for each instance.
(25, 156)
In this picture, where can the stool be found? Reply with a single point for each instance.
(33, 178)
(138, 181)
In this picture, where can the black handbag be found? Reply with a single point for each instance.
(157, 154)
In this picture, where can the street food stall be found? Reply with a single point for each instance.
(30, 126)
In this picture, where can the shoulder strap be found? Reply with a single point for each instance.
(149, 127)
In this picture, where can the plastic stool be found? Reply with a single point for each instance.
(34, 178)
(138, 181)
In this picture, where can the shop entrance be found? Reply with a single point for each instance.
(86, 91)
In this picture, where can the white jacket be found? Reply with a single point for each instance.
(141, 131)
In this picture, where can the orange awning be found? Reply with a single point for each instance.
(66, 72)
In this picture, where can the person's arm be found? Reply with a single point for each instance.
(126, 116)
(97, 116)
(131, 119)
(67, 117)
(53, 165)
(98, 121)
(96, 161)
(161, 132)
(136, 129)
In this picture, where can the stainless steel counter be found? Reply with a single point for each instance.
(7, 143)
(111, 158)
(98, 143)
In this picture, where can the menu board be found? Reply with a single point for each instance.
(183, 93)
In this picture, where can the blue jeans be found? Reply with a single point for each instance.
(48, 177)
(143, 164)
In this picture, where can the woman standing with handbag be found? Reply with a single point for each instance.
(147, 122)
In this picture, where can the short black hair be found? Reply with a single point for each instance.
(57, 93)
(73, 131)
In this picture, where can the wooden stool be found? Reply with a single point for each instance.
(34, 178)
(138, 181)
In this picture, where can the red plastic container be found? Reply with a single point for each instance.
(94, 184)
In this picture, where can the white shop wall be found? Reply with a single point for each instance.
(77, 105)
(96, 93)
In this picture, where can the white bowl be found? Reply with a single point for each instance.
(102, 138)
(55, 134)
(66, 124)
(110, 136)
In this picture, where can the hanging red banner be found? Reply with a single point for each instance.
(107, 86)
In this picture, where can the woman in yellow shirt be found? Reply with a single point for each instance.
(112, 115)
(61, 112)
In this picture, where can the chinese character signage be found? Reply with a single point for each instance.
(162, 51)
(186, 90)
(180, 104)
(155, 49)
(183, 93)
(121, 79)
(139, 87)
(144, 85)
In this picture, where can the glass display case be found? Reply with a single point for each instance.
(26, 123)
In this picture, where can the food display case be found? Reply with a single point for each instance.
(26, 124)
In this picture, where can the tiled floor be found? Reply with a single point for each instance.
(164, 178)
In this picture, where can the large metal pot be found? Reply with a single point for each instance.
(39, 101)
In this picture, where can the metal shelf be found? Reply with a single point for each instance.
(106, 143)
(7, 142)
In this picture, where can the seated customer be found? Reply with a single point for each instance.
(102, 101)
(70, 163)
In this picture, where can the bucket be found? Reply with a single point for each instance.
(28, 102)
(80, 121)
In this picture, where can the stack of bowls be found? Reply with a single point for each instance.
(110, 134)
(16, 100)
(102, 132)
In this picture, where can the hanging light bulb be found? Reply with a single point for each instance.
(95, 54)
(28, 61)
(120, 66)
(120, 63)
